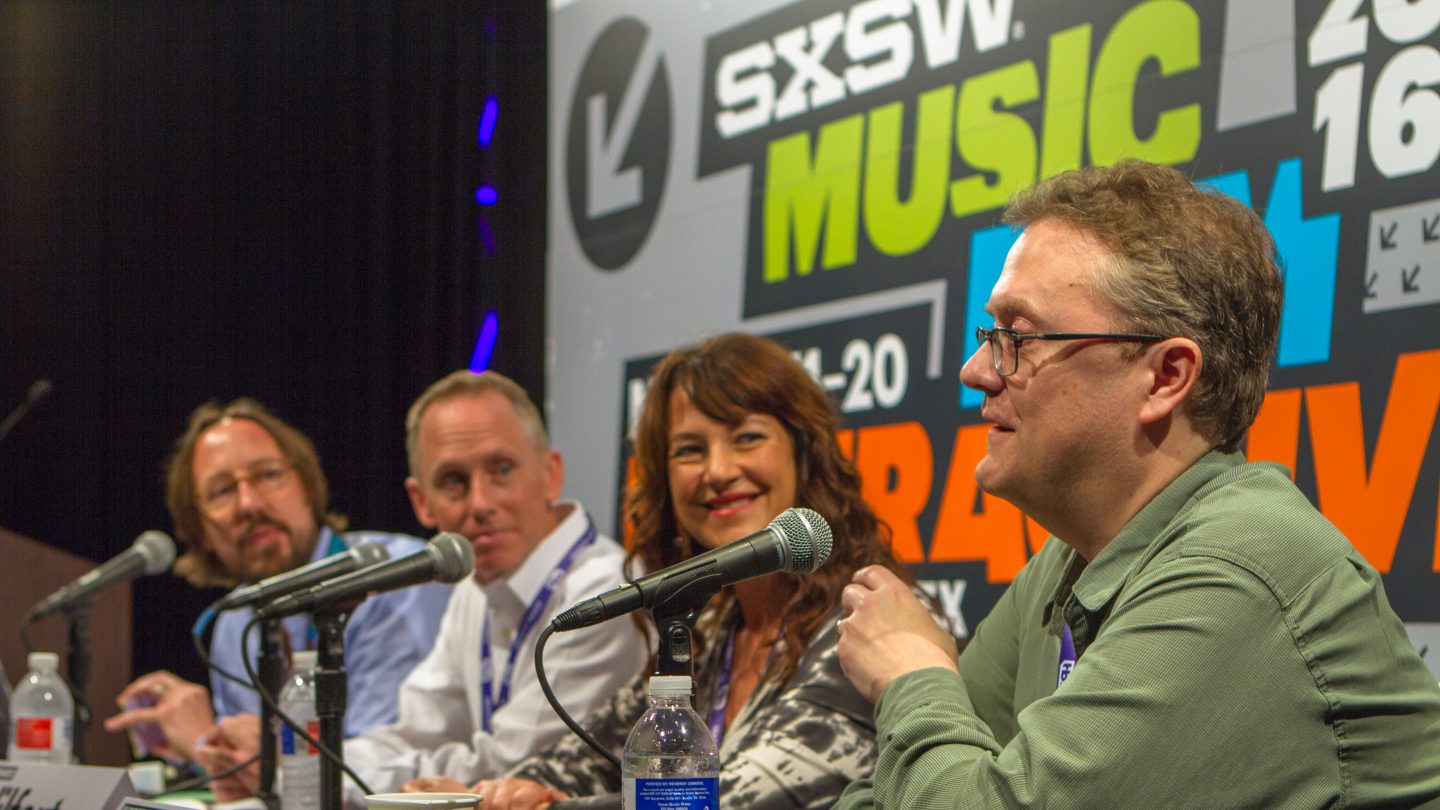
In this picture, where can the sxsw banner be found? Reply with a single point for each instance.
(831, 174)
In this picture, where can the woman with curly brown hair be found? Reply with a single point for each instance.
(733, 432)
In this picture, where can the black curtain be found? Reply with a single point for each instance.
(203, 201)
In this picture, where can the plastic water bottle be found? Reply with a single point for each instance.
(42, 714)
(299, 760)
(670, 758)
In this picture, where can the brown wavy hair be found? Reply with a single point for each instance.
(200, 566)
(726, 378)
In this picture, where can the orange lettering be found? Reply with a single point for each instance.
(1275, 433)
(993, 534)
(1370, 509)
(895, 472)
(627, 526)
(1035, 535)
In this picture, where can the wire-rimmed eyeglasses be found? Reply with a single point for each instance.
(222, 494)
(1005, 343)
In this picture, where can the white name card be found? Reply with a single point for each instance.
(40, 786)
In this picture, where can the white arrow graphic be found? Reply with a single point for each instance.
(608, 188)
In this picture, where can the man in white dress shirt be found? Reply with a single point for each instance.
(481, 465)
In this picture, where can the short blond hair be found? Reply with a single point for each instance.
(467, 382)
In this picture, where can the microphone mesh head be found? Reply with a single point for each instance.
(157, 549)
(807, 536)
(368, 553)
(454, 557)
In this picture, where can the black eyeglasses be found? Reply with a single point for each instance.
(1005, 343)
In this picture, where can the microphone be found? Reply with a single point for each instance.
(796, 542)
(448, 557)
(151, 553)
(39, 389)
(361, 555)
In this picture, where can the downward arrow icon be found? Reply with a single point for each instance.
(1431, 229)
(611, 189)
(1407, 280)
(1387, 238)
(1370, 285)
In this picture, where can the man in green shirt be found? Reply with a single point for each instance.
(1195, 633)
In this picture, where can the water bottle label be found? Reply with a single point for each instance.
(290, 742)
(677, 794)
(34, 732)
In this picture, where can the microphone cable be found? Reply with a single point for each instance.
(197, 637)
(201, 781)
(274, 705)
(555, 702)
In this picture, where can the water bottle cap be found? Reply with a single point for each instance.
(674, 685)
(47, 661)
(301, 660)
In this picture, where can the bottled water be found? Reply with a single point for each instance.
(42, 714)
(670, 759)
(299, 760)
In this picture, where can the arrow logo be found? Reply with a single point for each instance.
(1431, 229)
(617, 143)
(610, 188)
(1387, 237)
(1370, 285)
(1407, 280)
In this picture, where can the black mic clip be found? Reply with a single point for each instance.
(674, 611)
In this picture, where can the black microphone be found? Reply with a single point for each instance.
(39, 389)
(447, 558)
(151, 553)
(361, 555)
(796, 542)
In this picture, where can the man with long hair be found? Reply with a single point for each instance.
(249, 500)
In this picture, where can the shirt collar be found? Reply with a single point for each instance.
(327, 543)
(525, 582)
(1144, 536)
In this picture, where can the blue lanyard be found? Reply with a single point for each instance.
(1067, 656)
(489, 704)
(312, 634)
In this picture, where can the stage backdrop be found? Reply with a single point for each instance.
(830, 174)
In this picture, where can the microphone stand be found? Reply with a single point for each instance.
(674, 613)
(330, 698)
(78, 660)
(272, 674)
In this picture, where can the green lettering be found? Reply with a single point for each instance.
(899, 228)
(993, 141)
(1067, 66)
(806, 193)
(1167, 31)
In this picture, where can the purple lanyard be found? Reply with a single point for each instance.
(1067, 656)
(722, 687)
(488, 704)
(722, 692)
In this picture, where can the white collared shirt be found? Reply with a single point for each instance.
(439, 731)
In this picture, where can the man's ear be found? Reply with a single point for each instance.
(418, 503)
(554, 475)
(1173, 367)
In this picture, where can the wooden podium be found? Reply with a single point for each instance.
(32, 571)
